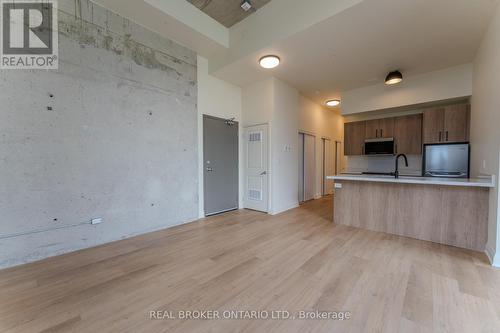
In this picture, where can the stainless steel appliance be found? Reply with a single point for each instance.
(379, 146)
(446, 160)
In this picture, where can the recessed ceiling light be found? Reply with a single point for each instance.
(393, 78)
(333, 102)
(269, 61)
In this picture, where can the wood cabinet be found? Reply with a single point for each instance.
(447, 124)
(354, 138)
(456, 123)
(379, 128)
(408, 134)
(437, 125)
(371, 131)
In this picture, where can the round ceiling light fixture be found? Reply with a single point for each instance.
(269, 61)
(393, 78)
(333, 103)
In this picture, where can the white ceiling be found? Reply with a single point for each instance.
(360, 45)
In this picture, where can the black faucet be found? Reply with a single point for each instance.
(396, 173)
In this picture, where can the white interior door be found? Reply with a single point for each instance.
(309, 167)
(256, 168)
(301, 167)
(328, 166)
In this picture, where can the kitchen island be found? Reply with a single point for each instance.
(442, 210)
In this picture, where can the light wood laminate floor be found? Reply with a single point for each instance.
(245, 260)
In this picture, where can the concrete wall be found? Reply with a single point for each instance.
(219, 99)
(485, 133)
(117, 140)
(450, 83)
(321, 122)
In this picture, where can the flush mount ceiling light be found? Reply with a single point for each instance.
(333, 103)
(269, 61)
(246, 5)
(393, 78)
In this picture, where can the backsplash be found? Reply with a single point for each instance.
(357, 164)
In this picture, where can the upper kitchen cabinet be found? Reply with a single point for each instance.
(379, 128)
(457, 123)
(433, 125)
(447, 124)
(354, 138)
(408, 134)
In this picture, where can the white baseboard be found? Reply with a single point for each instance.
(492, 256)
(279, 211)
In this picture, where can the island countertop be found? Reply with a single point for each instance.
(488, 182)
(441, 210)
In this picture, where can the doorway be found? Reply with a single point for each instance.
(256, 168)
(307, 166)
(220, 157)
(328, 166)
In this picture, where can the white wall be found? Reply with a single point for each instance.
(321, 122)
(454, 82)
(219, 99)
(284, 148)
(258, 103)
(485, 122)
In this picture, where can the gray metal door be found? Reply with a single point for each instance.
(220, 154)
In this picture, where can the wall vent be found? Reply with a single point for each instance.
(255, 194)
(255, 137)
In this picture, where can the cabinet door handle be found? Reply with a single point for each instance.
(376, 133)
(381, 133)
(439, 136)
(446, 135)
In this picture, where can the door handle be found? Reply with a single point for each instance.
(446, 135)
(381, 133)
(209, 169)
(439, 136)
(376, 133)
(263, 173)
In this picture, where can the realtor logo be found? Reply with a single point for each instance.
(29, 38)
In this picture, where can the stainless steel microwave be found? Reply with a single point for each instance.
(379, 146)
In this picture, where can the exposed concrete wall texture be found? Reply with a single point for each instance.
(111, 134)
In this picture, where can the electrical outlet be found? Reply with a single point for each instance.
(338, 185)
(96, 221)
